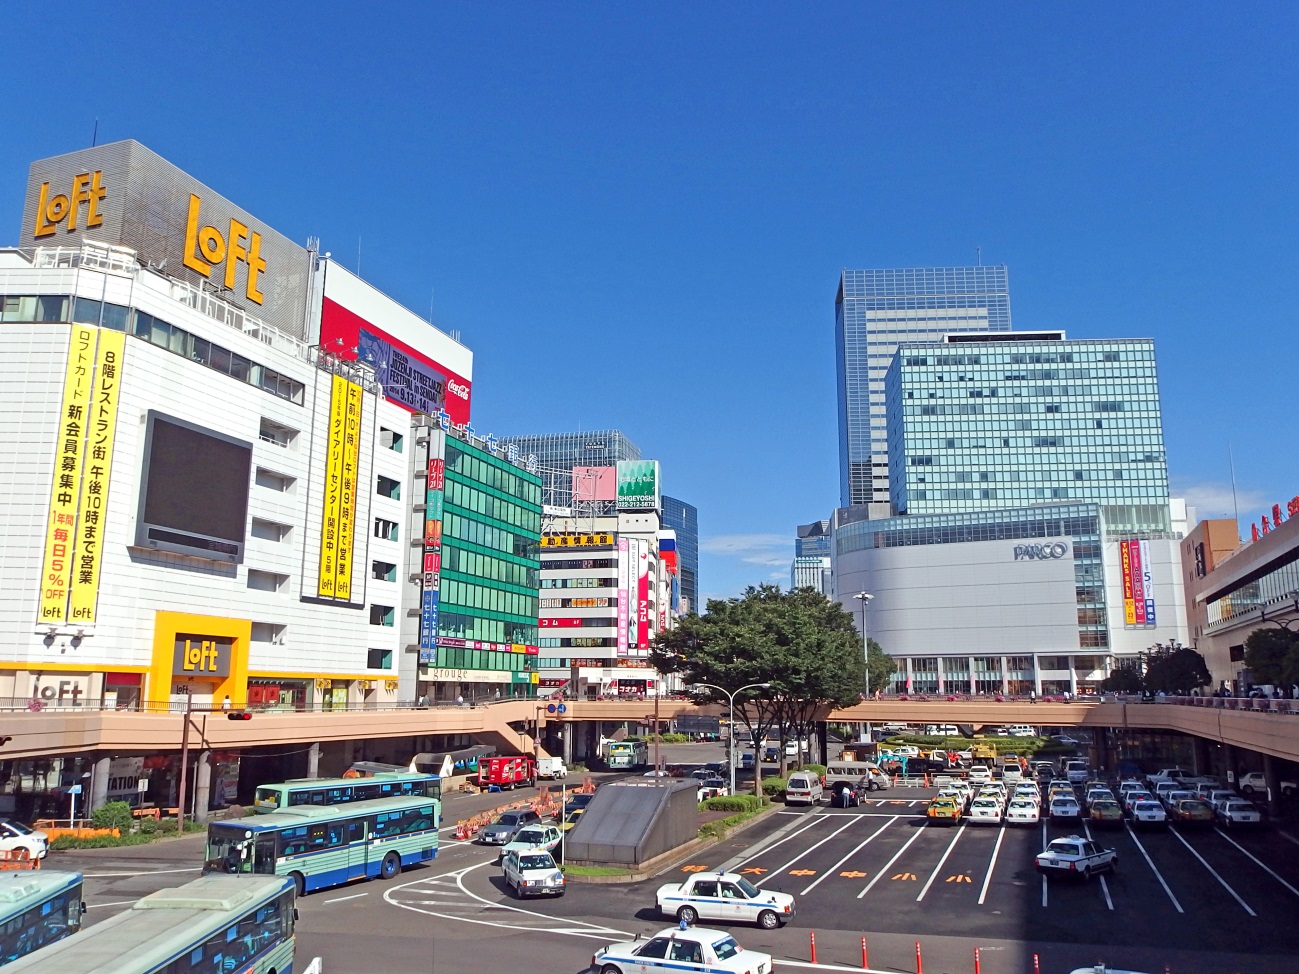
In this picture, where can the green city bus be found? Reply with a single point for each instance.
(327, 845)
(213, 925)
(37, 908)
(338, 791)
(628, 754)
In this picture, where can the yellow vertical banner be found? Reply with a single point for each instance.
(346, 534)
(92, 512)
(335, 442)
(69, 455)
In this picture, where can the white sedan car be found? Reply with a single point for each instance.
(986, 810)
(532, 873)
(1239, 812)
(1074, 855)
(1023, 811)
(1148, 813)
(532, 838)
(1063, 807)
(673, 951)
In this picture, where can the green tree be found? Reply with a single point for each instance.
(879, 667)
(1176, 669)
(1126, 677)
(804, 646)
(1271, 653)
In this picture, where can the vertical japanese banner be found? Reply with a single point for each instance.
(1138, 584)
(1129, 607)
(623, 573)
(69, 454)
(1148, 583)
(101, 429)
(335, 442)
(346, 535)
(642, 597)
(432, 581)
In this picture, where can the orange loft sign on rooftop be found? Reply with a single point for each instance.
(206, 247)
(54, 208)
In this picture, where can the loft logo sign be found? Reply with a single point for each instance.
(207, 247)
(1041, 552)
(87, 190)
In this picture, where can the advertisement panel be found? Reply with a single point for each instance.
(69, 456)
(125, 194)
(642, 596)
(595, 484)
(92, 512)
(409, 378)
(638, 485)
(432, 578)
(1138, 585)
(624, 572)
(338, 514)
(576, 540)
(1129, 606)
(1148, 583)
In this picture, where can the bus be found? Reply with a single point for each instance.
(327, 845)
(36, 909)
(628, 754)
(340, 791)
(213, 924)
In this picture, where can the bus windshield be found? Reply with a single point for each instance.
(233, 849)
(45, 908)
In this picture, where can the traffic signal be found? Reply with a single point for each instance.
(239, 715)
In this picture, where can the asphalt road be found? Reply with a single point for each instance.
(1210, 902)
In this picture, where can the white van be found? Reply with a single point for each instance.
(804, 788)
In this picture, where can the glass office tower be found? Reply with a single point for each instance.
(683, 518)
(875, 311)
(558, 453)
(988, 422)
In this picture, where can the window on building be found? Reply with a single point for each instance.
(390, 439)
(387, 530)
(263, 581)
(279, 482)
(277, 433)
(270, 530)
(382, 615)
(383, 571)
(389, 488)
(378, 659)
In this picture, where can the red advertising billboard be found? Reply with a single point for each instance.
(1138, 583)
(642, 597)
(1129, 605)
(409, 378)
(595, 483)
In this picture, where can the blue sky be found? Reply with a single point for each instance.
(636, 214)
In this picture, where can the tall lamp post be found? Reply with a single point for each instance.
(865, 599)
(730, 696)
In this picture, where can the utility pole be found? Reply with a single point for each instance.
(184, 764)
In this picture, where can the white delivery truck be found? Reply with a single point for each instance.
(551, 768)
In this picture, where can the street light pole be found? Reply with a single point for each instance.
(865, 598)
(730, 737)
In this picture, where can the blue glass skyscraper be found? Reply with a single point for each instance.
(683, 518)
(875, 310)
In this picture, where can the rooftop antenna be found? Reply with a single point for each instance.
(94, 136)
(978, 254)
(1231, 463)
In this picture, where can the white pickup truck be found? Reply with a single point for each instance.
(724, 896)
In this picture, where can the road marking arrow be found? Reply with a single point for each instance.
(853, 874)
(753, 871)
(693, 869)
(903, 876)
(958, 879)
(802, 872)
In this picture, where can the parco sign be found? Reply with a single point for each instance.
(1041, 552)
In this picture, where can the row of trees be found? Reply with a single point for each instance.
(1272, 656)
(1169, 669)
(803, 646)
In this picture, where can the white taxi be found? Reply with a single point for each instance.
(724, 896)
(1074, 855)
(532, 873)
(1023, 811)
(672, 951)
(986, 810)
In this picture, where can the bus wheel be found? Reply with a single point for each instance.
(391, 865)
(299, 884)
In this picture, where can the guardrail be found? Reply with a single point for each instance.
(40, 705)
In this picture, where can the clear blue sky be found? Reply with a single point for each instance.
(636, 214)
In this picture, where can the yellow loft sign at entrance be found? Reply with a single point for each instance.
(206, 247)
(51, 210)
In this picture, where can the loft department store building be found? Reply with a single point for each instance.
(1033, 540)
(215, 467)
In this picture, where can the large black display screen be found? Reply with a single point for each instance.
(194, 494)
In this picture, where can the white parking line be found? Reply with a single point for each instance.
(1105, 887)
(1150, 862)
(764, 849)
(776, 872)
(896, 856)
(983, 893)
(950, 846)
(1214, 874)
(139, 872)
(1044, 874)
(1260, 862)
(354, 896)
(1287, 835)
(860, 846)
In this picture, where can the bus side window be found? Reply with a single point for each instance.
(355, 830)
(319, 797)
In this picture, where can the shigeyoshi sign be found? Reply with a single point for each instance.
(123, 193)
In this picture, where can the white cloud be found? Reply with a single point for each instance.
(1215, 500)
(752, 549)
